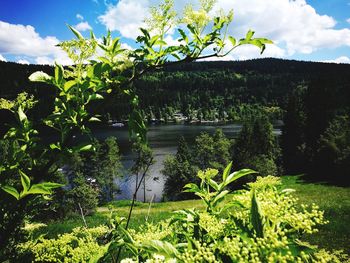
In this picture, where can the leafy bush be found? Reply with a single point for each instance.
(263, 164)
(208, 151)
(256, 147)
(261, 224)
(81, 245)
(82, 196)
(331, 160)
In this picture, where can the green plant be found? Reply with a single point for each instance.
(81, 245)
(256, 146)
(261, 224)
(113, 72)
(82, 198)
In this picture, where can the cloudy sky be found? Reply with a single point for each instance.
(313, 30)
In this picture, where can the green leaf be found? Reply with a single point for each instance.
(11, 190)
(76, 32)
(54, 146)
(92, 119)
(83, 148)
(183, 35)
(213, 184)
(24, 147)
(256, 216)
(37, 189)
(68, 85)
(40, 76)
(232, 40)
(50, 185)
(115, 44)
(191, 187)
(227, 171)
(161, 247)
(58, 74)
(236, 175)
(249, 34)
(42, 188)
(25, 180)
(21, 115)
(95, 96)
(220, 197)
(146, 33)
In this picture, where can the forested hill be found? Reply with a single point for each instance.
(209, 89)
(266, 65)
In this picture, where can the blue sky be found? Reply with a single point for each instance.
(313, 30)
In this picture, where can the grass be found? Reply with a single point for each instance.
(335, 201)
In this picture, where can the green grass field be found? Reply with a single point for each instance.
(335, 201)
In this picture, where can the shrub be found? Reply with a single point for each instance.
(82, 195)
(79, 246)
(263, 164)
(261, 224)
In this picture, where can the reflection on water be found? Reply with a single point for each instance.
(163, 141)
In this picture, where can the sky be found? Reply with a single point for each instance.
(311, 30)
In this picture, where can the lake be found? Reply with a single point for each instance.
(163, 140)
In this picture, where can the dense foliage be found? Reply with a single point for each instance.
(32, 160)
(207, 151)
(210, 88)
(315, 136)
(81, 245)
(256, 146)
(264, 223)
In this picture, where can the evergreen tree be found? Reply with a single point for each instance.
(293, 132)
(256, 147)
(331, 160)
(144, 159)
(222, 146)
(178, 171)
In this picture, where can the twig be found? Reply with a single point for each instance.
(149, 207)
(133, 201)
(82, 215)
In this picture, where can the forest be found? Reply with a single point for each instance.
(258, 197)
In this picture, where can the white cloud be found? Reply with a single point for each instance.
(25, 41)
(342, 59)
(83, 26)
(250, 52)
(126, 46)
(20, 39)
(23, 61)
(79, 17)
(2, 58)
(44, 61)
(126, 16)
(292, 24)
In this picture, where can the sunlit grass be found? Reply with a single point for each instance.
(335, 202)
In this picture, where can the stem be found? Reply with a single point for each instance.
(144, 190)
(133, 201)
(149, 207)
(82, 215)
